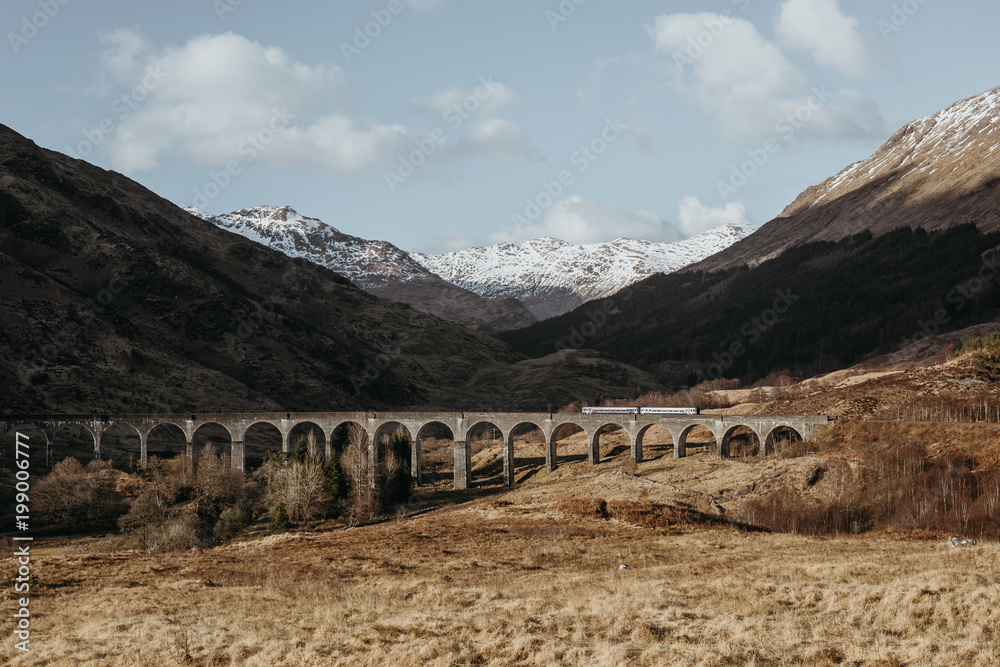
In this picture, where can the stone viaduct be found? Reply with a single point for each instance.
(461, 424)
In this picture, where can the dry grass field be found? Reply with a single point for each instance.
(529, 577)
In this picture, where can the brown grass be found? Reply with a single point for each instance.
(530, 577)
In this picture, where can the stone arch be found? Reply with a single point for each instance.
(162, 441)
(779, 437)
(383, 439)
(736, 444)
(351, 441)
(303, 429)
(683, 443)
(260, 439)
(489, 466)
(121, 444)
(39, 442)
(652, 436)
(439, 457)
(215, 438)
(521, 430)
(594, 452)
(75, 439)
(560, 432)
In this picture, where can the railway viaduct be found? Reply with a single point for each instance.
(461, 424)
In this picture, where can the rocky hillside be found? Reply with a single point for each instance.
(112, 298)
(552, 277)
(377, 267)
(900, 247)
(934, 173)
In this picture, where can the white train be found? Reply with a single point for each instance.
(639, 411)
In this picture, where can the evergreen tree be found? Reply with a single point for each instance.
(279, 520)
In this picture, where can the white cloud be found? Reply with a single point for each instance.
(494, 138)
(579, 220)
(122, 49)
(696, 217)
(485, 99)
(833, 38)
(725, 66)
(217, 91)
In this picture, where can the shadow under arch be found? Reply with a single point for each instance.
(482, 436)
(212, 438)
(594, 452)
(533, 441)
(120, 444)
(652, 442)
(259, 440)
(564, 431)
(167, 440)
(439, 456)
(780, 437)
(740, 441)
(696, 435)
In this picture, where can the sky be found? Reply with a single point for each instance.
(443, 124)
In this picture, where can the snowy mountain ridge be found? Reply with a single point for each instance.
(551, 276)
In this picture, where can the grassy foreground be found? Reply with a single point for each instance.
(512, 578)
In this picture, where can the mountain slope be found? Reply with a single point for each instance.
(115, 299)
(377, 267)
(936, 172)
(552, 277)
(901, 247)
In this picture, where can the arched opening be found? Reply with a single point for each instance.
(166, 441)
(349, 445)
(212, 439)
(394, 457)
(259, 440)
(121, 445)
(574, 444)
(526, 452)
(435, 454)
(307, 436)
(780, 438)
(698, 438)
(485, 450)
(74, 440)
(740, 442)
(40, 453)
(609, 441)
(655, 442)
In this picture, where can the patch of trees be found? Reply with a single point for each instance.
(172, 504)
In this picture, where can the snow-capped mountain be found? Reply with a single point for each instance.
(936, 172)
(551, 277)
(368, 264)
(378, 267)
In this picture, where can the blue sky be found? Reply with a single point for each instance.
(455, 122)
